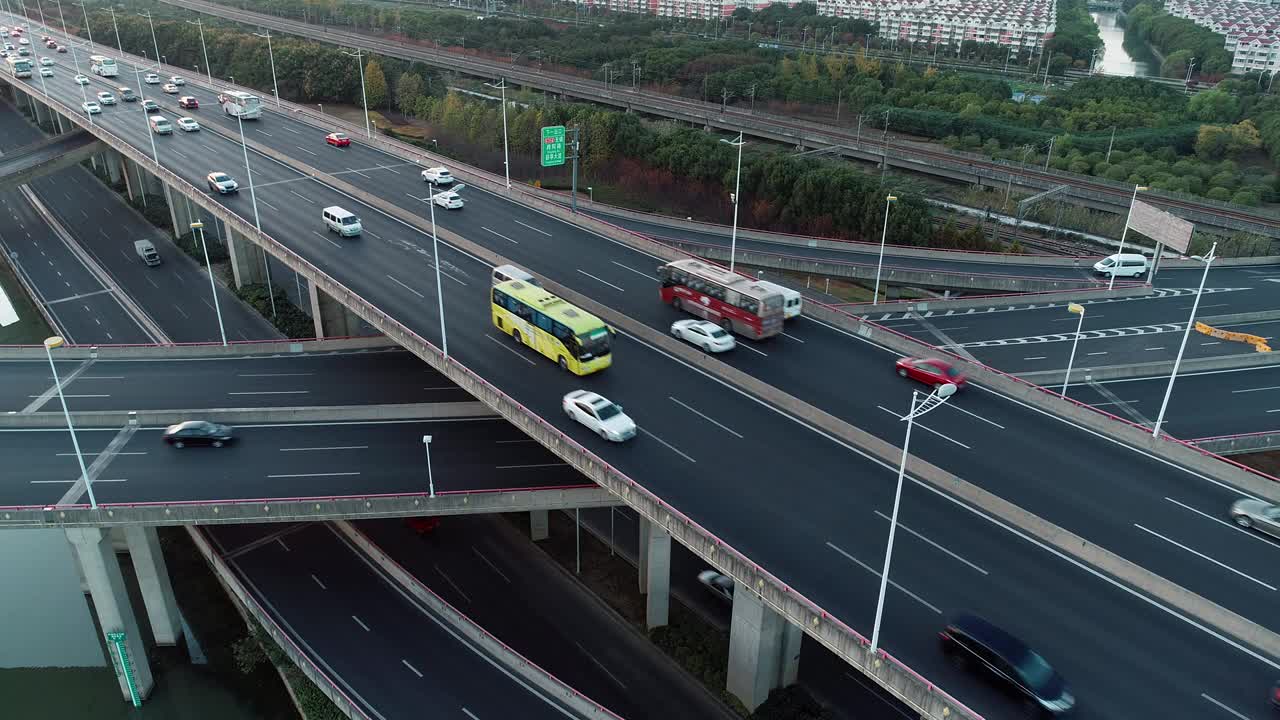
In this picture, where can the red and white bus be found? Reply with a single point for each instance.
(738, 304)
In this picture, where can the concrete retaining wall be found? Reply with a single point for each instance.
(1050, 378)
(1240, 444)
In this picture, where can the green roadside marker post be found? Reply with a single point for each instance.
(554, 153)
(121, 655)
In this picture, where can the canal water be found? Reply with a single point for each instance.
(1116, 60)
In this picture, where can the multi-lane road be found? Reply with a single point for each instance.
(798, 524)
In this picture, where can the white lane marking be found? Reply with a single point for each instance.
(600, 665)
(793, 337)
(452, 583)
(414, 669)
(71, 454)
(504, 237)
(304, 197)
(335, 447)
(65, 394)
(1219, 520)
(302, 475)
(1224, 707)
(384, 167)
(624, 267)
(374, 234)
(954, 406)
(1036, 357)
(470, 714)
(492, 567)
(934, 544)
(66, 482)
(360, 173)
(504, 346)
(1258, 389)
(533, 465)
(295, 132)
(326, 238)
(1150, 349)
(273, 374)
(270, 392)
(1201, 555)
(606, 282)
(544, 232)
(1215, 342)
(304, 150)
(875, 572)
(281, 541)
(264, 132)
(745, 346)
(273, 207)
(704, 417)
(1104, 352)
(925, 427)
(322, 587)
(360, 623)
(406, 287)
(670, 447)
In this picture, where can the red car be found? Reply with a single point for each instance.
(186, 101)
(934, 372)
(62, 48)
(423, 525)
(337, 139)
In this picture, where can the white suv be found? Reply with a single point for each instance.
(437, 175)
(601, 416)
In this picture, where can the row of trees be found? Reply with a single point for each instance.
(1179, 40)
(1075, 34)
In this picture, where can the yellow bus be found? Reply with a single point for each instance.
(573, 337)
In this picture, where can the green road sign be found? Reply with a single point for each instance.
(552, 145)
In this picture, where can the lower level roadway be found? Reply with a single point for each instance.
(387, 651)
(279, 461)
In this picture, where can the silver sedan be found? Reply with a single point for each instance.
(706, 335)
(1257, 514)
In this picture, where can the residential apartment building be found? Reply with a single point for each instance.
(1020, 24)
(1250, 30)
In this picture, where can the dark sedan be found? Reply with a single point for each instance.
(971, 642)
(198, 432)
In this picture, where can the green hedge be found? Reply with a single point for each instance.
(288, 319)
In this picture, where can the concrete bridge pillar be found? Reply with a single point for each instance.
(153, 578)
(764, 650)
(114, 163)
(247, 262)
(180, 212)
(101, 572)
(538, 525)
(332, 318)
(655, 572)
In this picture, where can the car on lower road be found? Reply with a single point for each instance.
(198, 432)
(718, 583)
(704, 334)
(188, 103)
(1257, 514)
(82, 80)
(187, 124)
(600, 415)
(934, 372)
(337, 139)
(971, 642)
(221, 183)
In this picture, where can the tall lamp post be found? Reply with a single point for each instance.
(270, 54)
(506, 166)
(49, 345)
(154, 44)
(364, 98)
(198, 227)
(435, 250)
(205, 50)
(918, 408)
(1125, 233)
(1078, 309)
(735, 197)
(431, 483)
(1191, 321)
(257, 222)
(87, 28)
(875, 294)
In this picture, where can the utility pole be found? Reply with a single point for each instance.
(1111, 143)
(724, 98)
(839, 100)
(1049, 154)
(857, 139)
(753, 97)
(884, 139)
(636, 72)
(605, 68)
(574, 144)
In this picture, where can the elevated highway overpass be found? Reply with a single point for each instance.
(55, 153)
(672, 469)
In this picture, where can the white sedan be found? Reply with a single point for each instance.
(46, 61)
(46, 72)
(704, 334)
(91, 107)
(151, 79)
(177, 80)
(170, 88)
(187, 124)
(600, 415)
(82, 80)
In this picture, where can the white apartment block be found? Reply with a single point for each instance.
(1020, 24)
(1251, 30)
(685, 9)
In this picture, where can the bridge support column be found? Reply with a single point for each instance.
(764, 650)
(114, 163)
(111, 601)
(179, 211)
(655, 572)
(247, 264)
(538, 525)
(153, 578)
(332, 318)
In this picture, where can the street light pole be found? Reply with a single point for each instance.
(205, 49)
(142, 104)
(875, 294)
(735, 197)
(431, 483)
(364, 97)
(116, 27)
(1079, 310)
(257, 223)
(87, 28)
(49, 345)
(933, 400)
(435, 250)
(506, 165)
(217, 308)
(1125, 233)
(154, 44)
(275, 88)
(1191, 321)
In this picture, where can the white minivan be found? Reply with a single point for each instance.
(791, 301)
(160, 125)
(342, 222)
(1122, 265)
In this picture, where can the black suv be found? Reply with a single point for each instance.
(970, 641)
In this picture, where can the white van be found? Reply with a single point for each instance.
(160, 125)
(340, 221)
(791, 302)
(1122, 265)
(503, 273)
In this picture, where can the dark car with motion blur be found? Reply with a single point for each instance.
(198, 432)
(973, 643)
